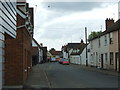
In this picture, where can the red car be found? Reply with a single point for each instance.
(65, 62)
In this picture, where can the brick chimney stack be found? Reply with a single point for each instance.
(109, 22)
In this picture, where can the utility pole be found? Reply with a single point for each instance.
(86, 46)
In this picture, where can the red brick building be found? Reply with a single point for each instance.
(18, 52)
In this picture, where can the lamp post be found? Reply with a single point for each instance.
(86, 46)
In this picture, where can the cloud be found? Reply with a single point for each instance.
(71, 6)
(65, 22)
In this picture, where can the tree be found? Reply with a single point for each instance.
(94, 34)
(52, 49)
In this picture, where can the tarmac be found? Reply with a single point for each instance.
(38, 77)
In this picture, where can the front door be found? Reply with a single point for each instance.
(101, 60)
(116, 61)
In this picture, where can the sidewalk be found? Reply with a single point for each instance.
(104, 71)
(37, 78)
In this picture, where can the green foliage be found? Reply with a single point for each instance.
(52, 49)
(94, 34)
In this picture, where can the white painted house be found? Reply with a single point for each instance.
(99, 51)
(72, 51)
(75, 57)
(104, 47)
(83, 56)
(65, 52)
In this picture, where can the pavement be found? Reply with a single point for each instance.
(104, 71)
(37, 78)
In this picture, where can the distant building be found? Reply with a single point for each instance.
(64, 52)
(77, 49)
(44, 54)
(56, 55)
(72, 51)
(7, 26)
(83, 56)
(37, 52)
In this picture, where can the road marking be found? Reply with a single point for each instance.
(49, 84)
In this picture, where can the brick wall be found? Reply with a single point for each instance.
(18, 56)
(35, 55)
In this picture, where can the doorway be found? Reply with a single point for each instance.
(116, 61)
(101, 60)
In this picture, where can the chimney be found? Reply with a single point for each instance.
(41, 44)
(109, 22)
(82, 41)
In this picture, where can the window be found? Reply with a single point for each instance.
(106, 58)
(111, 38)
(99, 42)
(105, 40)
(111, 58)
(91, 45)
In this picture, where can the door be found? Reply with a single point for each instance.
(101, 60)
(96, 59)
(116, 61)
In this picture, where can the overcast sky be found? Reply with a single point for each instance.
(59, 23)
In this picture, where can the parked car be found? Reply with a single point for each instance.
(53, 59)
(57, 59)
(61, 60)
(65, 62)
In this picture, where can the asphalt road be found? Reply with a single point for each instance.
(67, 76)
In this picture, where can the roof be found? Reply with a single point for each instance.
(73, 45)
(81, 48)
(36, 42)
(114, 27)
(56, 52)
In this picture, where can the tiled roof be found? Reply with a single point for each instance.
(56, 52)
(73, 45)
(36, 42)
(81, 48)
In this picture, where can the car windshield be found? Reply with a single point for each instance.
(65, 59)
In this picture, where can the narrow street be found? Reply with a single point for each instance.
(71, 76)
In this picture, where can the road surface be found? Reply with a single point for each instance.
(68, 76)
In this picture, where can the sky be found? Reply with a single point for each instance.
(59, 23)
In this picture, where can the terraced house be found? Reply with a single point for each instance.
(7, 26)
(104, 47)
